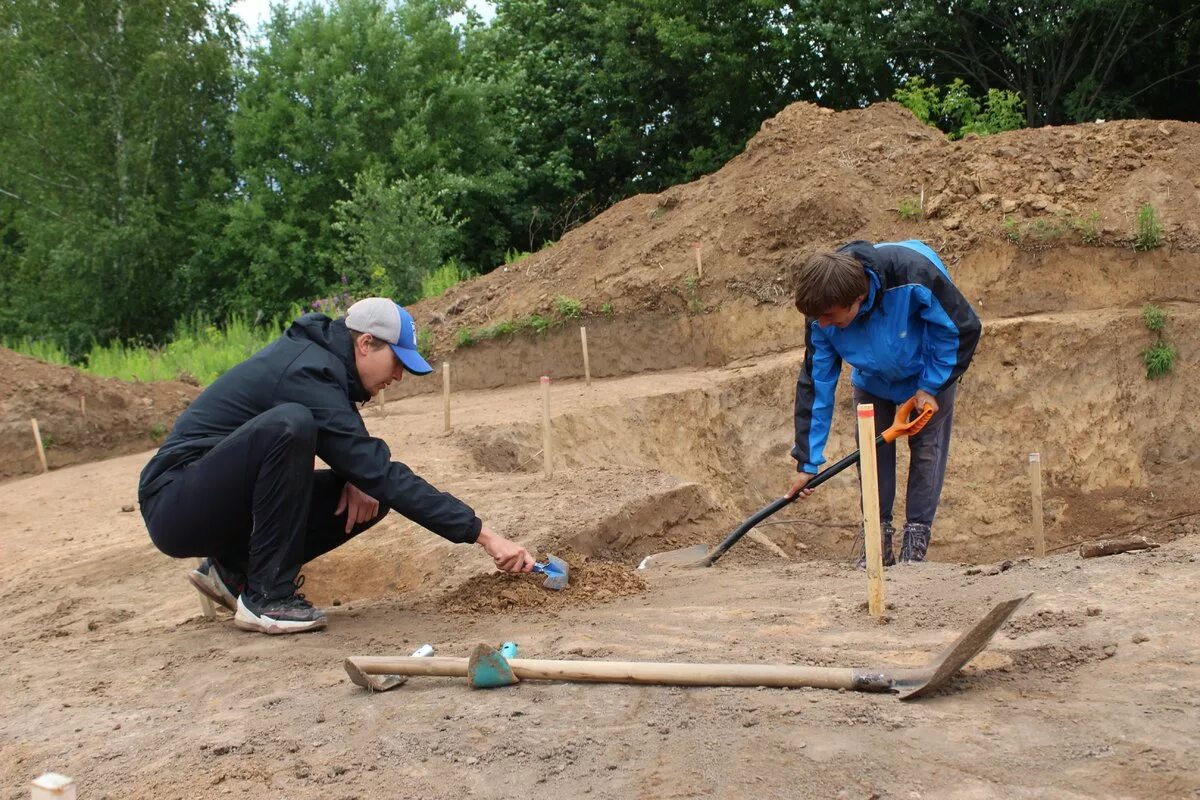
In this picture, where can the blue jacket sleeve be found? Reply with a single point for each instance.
(952, 331)
(815, 389)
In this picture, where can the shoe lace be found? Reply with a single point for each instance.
(298, 596)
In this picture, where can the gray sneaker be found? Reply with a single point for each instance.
(291, 614)
(887, 532)
(915, 543)
(217, 584)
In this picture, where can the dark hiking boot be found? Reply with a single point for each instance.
(217, 584)
(889, 559)
(292, 614)
(915, 543)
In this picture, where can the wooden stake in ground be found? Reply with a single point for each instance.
(699, 263)
(547, 450)
(382, 403)
(870, 501)
(206, 606)
(1035, 489)
(446, 393)
(41, 451)
(587, 369)
(82, 406)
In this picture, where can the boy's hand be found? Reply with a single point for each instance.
(923, 399)
(802, 479)
(507, 556)
(358, 505)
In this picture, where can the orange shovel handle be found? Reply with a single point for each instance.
(903, 426)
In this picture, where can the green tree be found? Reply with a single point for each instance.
(359, 107)
(113, 154)
(1069, 61)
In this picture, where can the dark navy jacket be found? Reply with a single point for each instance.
(915, 330)
(312, 364)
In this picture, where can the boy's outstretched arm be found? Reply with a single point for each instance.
(815, 389)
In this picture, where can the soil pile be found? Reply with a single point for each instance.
(816, 178)
(114, 418)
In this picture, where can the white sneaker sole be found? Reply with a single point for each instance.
(206, 586)
(247, 620)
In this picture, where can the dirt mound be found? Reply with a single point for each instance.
(815, 178)
(591, 582)
(114, 417)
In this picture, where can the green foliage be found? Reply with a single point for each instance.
(425, 342)
(908, 208)
(1012, 230)
(114, 163)
(1089, 228)
(535, 323)
(465, 337)
(1159, 359)
(691, 287)
(1148, 231)
(1047, 228)
(1154, 317)
(567, 307)
(607, 308)
(157, 431)
(437, 282)
(197, 347)
(953, 109)
(514, 256)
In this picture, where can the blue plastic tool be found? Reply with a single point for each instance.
(556, 572)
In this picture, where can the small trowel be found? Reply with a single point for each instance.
(556, 572)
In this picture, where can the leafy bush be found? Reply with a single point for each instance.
(956, 111)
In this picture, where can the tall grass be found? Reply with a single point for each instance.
(196, 348)
(435, 283)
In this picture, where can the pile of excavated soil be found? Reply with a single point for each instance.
(591, 582)
(115, 417)
(813, 178)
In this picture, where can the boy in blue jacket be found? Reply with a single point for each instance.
(891, 311)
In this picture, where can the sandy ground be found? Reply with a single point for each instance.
(1092, 690)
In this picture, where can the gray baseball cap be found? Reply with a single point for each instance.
(386, 320)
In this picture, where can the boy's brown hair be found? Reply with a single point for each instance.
(828, 281)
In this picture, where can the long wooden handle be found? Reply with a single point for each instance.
(654, 672)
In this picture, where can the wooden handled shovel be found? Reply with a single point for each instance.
(909, 683)
(699, 555)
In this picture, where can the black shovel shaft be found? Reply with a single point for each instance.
(768, 510)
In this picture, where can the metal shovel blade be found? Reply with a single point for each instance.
(694, 556)
(911, 684)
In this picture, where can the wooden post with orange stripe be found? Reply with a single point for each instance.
(872, 534)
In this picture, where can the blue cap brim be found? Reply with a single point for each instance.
(411, 360)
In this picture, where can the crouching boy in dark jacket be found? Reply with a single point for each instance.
(234, 482)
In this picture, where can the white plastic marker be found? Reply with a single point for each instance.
(52, 786)
(424, 651)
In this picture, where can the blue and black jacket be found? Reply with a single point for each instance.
(915, 330)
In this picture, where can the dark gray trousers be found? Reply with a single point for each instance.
(928, 452)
